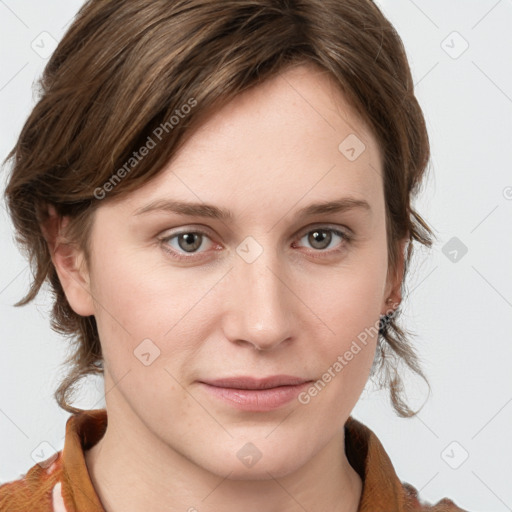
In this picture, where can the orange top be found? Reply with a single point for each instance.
(62, 482)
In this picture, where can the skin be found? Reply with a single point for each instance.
(169, 445)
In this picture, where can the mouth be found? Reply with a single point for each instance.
(256, 395)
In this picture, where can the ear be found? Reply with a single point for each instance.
(69, 262)
(393, 293)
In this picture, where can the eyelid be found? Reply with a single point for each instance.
(346, 233)
(328, 227)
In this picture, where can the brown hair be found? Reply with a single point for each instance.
(127, 70)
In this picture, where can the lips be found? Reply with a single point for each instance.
(253, 383)
(255, 395)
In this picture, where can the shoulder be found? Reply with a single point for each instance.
(382, 486)
(413, 503)
(38, 490)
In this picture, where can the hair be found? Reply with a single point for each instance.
(135, 73)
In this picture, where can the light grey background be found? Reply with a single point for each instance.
(460, 310)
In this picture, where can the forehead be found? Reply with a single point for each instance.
(292, 137)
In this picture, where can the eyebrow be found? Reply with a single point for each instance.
(214, 212)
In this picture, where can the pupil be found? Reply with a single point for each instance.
(191, 241)
(319, 237)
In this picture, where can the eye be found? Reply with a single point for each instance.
(321, 238)
(186, 242)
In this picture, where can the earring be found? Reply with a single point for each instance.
(383, 324)
(385, 319)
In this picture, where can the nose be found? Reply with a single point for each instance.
(259, 309)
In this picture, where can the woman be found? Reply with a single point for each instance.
(219, 194)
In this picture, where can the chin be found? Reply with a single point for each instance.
(247, 462)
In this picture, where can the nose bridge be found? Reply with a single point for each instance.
(260, 302)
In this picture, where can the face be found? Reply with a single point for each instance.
(184, 296)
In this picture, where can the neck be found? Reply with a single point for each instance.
(132, 470)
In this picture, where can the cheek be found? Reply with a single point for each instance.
(344, 357)
(131, 294)
(348, 304)
(127, 304)
(348, 299)
(137, 300)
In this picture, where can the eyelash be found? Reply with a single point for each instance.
(345, 235)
